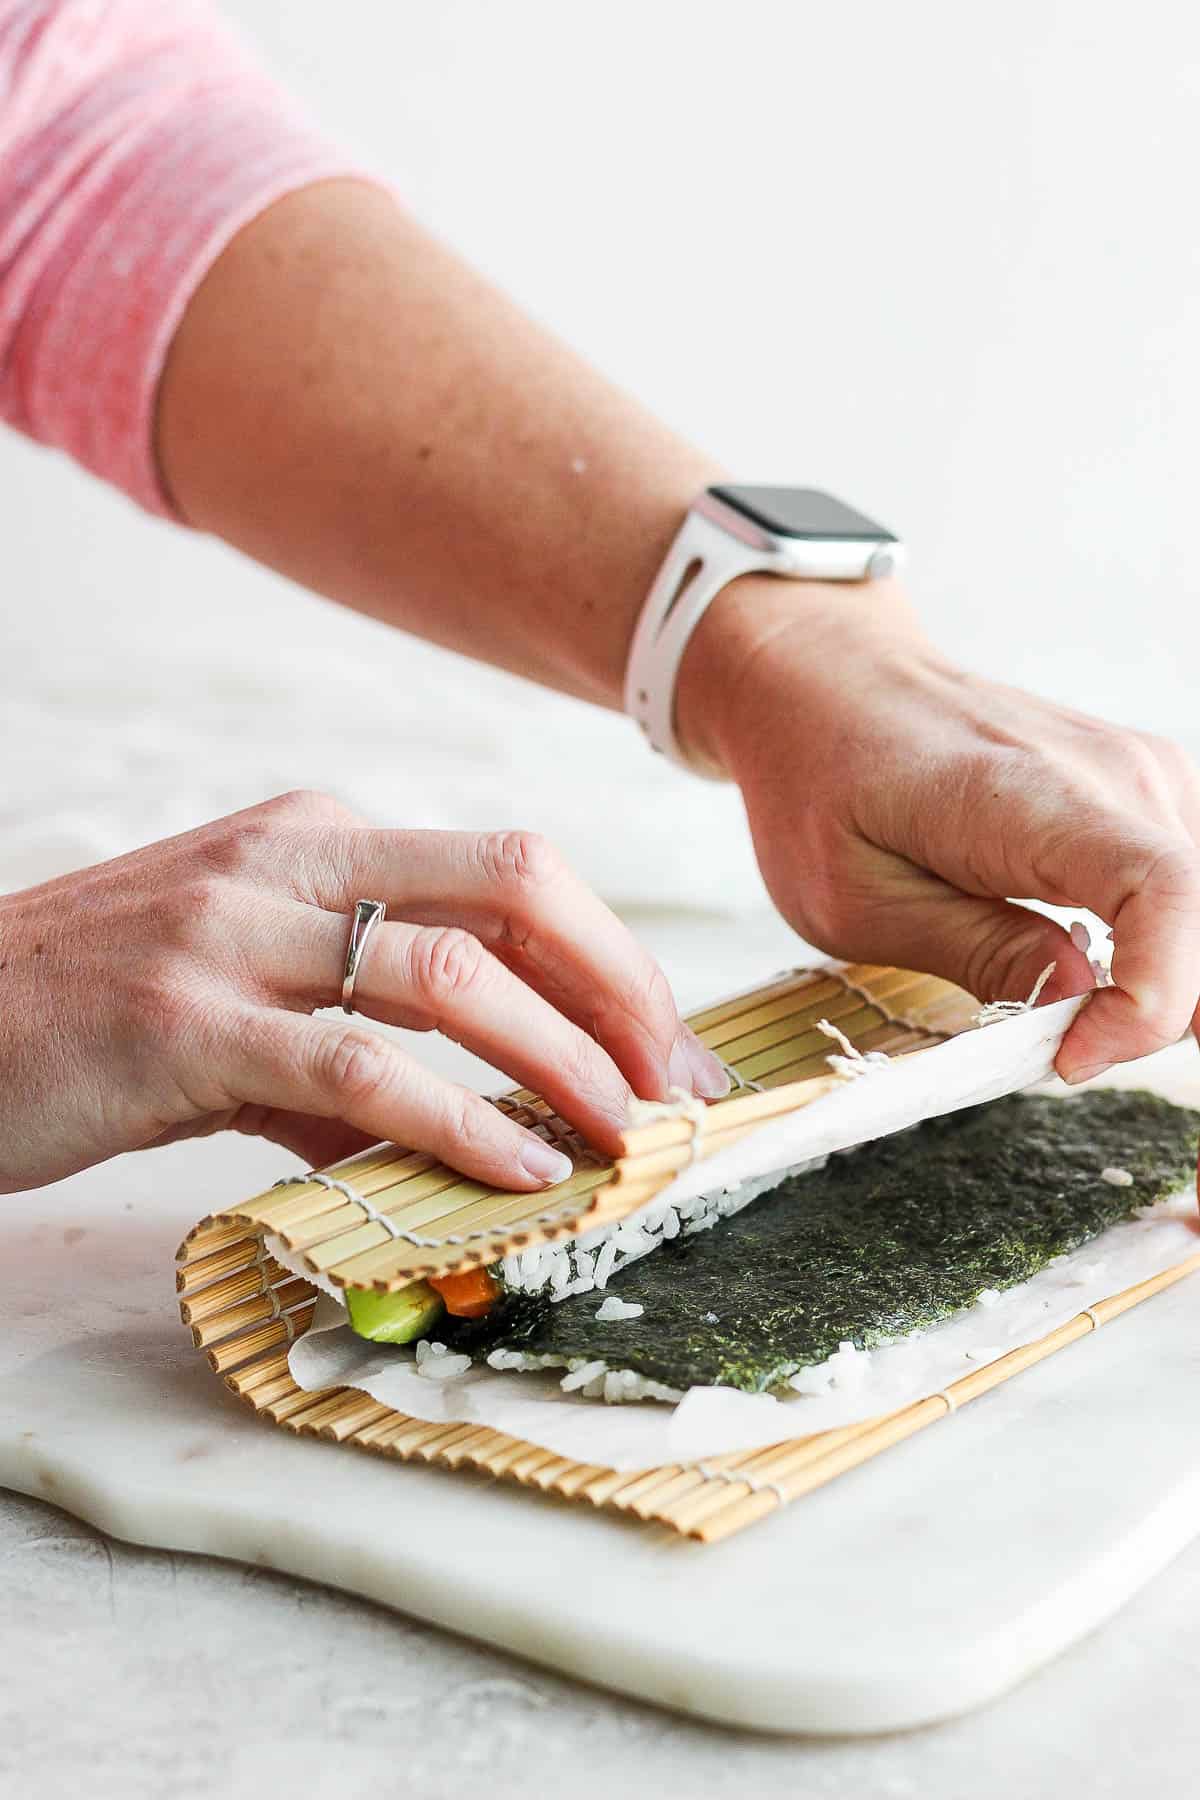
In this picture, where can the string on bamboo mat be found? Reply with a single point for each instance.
(376, 1216)
(851, 1063)
(995, 1010)
(679, 1104)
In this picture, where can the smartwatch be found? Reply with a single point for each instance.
(730, 531)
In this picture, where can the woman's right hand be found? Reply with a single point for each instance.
(170, 993)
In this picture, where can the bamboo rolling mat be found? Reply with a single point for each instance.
(388, 1217)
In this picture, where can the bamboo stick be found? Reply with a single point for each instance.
(534, 1457)
(889, 987)
(503, 1453)
(485, 1210)
(655, 1501)
(264, 1397)
(254, 1279)
(639, 1488)
(637, 1171)
(405, 1176)
(848, 1011)
(684, 1481)
(666, 1146)
(717, 1477)
(280, 1206)
(415, 1191)
(295, 1404)
(857, 1446)
(602, 1489)
(783, 1018)
(891, 1038)
(693, 1480)
(343, 1402)
(406, 1436)
(511, 1226)
(478, 1438)
(719, 1117)
(200, 1272)
(436, 1438)
(251, 1312)
(810, 1046)
(549, 1477)
(210, 1235)
(251, 1376)
(229, 1355)
(344, 1427)
(378, 1159)
(450, 1450)
(772, 993)
(571, 1484)
(382, 1434)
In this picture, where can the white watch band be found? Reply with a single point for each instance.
(704, 558)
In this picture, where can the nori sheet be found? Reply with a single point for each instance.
(896, 1235)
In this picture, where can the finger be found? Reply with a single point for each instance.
(1143, 879)
(514, 893)
(1149, 886)
(1137, 872)
(318, 1141)
(1181, 773)
(994, 949)
(344, 1072)
(440, 978)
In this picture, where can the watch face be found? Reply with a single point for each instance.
(802, 513)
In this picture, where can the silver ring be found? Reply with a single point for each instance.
(367, 915)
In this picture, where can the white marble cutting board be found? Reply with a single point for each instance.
(916, 1587)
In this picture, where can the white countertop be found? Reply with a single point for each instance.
(284, 1687)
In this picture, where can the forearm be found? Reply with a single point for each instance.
(346, 401)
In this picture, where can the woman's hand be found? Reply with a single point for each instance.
(897, 802)
(170, 993)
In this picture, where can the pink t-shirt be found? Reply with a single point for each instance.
(136, 138)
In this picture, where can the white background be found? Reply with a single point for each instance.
(939, 258)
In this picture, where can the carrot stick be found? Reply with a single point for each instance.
(469, 1294)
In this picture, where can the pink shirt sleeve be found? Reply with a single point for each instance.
(136, 138)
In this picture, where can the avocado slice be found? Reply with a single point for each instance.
(394, 1318)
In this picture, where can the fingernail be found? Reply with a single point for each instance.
(679, 1066)
(1085, 1074)
(544, 1163)
(695, 1069)
(709, 1075)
